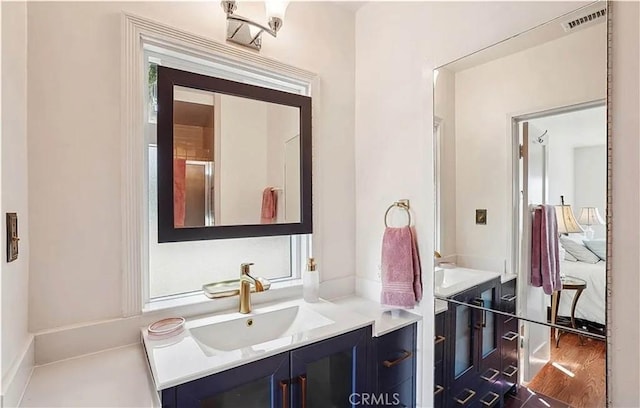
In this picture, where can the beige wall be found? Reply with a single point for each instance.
(74, 142)
(394, 139)
(14, 275)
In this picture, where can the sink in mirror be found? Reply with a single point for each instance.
(259, 327)
(449, 281)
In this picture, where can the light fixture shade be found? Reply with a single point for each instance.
(276, 8)
(567, 223)
(590, 216)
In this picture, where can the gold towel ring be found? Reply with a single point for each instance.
(401, 205)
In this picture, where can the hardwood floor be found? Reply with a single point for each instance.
(587, 387)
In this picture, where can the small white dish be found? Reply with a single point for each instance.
(164, 328)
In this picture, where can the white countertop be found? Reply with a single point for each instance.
(441, 306)
(182, 358)
(112, 378)
(385, 320)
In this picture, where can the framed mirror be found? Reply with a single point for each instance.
(521, 166)
(234, 159)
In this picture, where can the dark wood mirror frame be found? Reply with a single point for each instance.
(167, 79)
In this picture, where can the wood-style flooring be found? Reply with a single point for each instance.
(587, 387)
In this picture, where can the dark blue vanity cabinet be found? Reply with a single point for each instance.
(323, 374)
(440, 345)
(394, 359)
(473, 360)
(509, 338)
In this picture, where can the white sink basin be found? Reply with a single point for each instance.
(255, 328)
(448, 282)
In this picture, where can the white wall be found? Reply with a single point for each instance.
(485, 97)
(243, 159)
(590, 164)
(394, 139)
(74, 143)
(15, 275)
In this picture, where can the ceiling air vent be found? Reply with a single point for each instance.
(586, 20)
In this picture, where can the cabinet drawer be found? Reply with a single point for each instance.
(396, 359)
(401, 395)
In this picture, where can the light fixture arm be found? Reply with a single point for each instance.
(262, 28)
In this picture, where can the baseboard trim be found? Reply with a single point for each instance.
(14, 383)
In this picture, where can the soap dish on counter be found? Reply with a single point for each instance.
(228, 288)
(166, 328)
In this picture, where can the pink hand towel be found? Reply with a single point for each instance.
(545, 260)
(179, 184)
(401, 272)
(269, 206)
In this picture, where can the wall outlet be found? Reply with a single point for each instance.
(481, 217)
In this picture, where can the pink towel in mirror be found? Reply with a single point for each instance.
(269, 209)
(545, 258)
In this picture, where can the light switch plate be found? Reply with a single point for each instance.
(481, 217)
(12, 237)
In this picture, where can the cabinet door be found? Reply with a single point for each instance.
(261, 384)
(331, 373)
(462, 349)
(489, 332)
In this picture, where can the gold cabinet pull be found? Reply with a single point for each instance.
(510, 336)
(439, 339)
(490, 377)
(513, 371)
(439, 389)
(405, 355)
(303, 387)
(284, 387)
(493, 400)
(464, 401)
(508, 298)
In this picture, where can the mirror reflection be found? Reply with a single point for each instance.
(236, 160)
(520, 129)
(520, 263)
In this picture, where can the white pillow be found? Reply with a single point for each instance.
(579, 251)
(598, 247)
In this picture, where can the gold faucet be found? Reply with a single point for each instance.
(245, 287)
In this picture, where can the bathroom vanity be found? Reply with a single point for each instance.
(290, 354)
(476, 351)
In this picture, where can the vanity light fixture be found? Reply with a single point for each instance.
(246, 32)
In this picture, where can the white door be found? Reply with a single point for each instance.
(536, 345)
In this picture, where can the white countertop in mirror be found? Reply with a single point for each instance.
(441, 306)
(451, 281)
(196, 353)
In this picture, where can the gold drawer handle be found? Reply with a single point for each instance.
(508, 298)
(405, 355)
(490, 403)
(284, 388)
(439, 389)
(510, 336)
(439, 339)
(514, 370)
(464, 401)
(492, 376)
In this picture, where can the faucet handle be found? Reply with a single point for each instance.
(245, 268)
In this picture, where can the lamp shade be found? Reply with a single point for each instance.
(276, 8)
(567, 223)
(590, 216)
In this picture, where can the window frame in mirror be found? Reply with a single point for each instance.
(167, 232)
